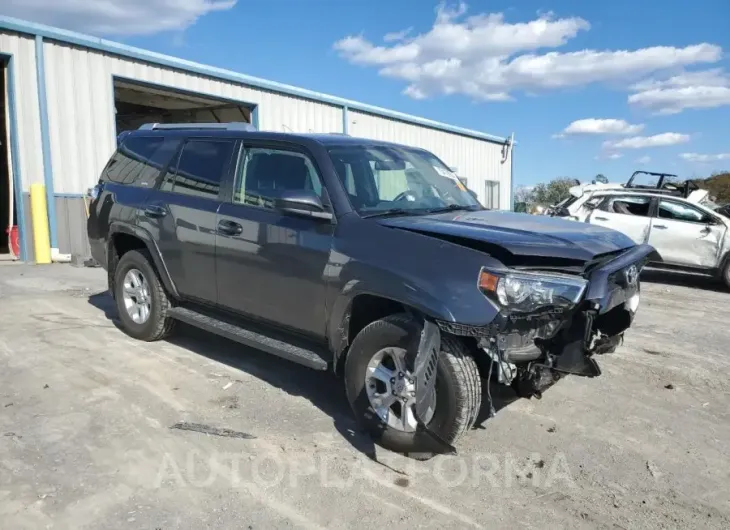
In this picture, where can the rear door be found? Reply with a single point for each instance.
(181, 214)
(125, 184)
(626, 213)
(686, 235)
(272, 265)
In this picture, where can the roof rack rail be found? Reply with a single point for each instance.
(230, 126)
(648, 189)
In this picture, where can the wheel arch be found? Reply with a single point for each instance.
(723, 264)
(355, 310)
(123, 238)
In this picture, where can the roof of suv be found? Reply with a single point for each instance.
(326, 139)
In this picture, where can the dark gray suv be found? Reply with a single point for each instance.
(365, 257)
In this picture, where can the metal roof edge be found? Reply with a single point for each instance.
(116, 48)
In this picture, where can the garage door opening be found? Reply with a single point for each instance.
(8, 217)
(137, 104)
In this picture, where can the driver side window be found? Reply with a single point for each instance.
(264, 173)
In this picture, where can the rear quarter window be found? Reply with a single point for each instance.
(139, 160)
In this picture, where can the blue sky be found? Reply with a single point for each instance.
(486, 65)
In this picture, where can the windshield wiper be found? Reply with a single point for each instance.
(452, 208)
(393, 211)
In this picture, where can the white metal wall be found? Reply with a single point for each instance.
(81, 116)
(80, 108)
(30, 162)
(476, 160)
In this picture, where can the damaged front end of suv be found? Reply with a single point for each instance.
(551, 324)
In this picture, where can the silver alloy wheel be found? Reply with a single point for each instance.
(391, 390)
(136, 294)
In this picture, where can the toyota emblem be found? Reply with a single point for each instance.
(632, 275)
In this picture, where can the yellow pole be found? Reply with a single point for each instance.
(39, 214)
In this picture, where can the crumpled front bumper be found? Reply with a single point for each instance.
(617, 282)
(595, 325)
(598, 323)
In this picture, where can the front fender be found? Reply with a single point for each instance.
(436, 279)
(151, 246)
(339, 322)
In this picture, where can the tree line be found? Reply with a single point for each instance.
(549, 193)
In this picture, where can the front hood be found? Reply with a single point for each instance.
(518, 233)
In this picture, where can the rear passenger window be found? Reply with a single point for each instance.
(139, 159)
(628, 205)
(200, 168)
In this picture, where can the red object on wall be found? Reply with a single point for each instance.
(13, 241)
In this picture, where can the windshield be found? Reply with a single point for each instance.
(379, 179)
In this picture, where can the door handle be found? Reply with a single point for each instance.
(660, 227)
(601, 218)
(229, 228)
(155, 211)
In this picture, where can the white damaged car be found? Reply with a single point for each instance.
(687, 233)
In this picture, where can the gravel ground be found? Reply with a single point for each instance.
(100, 431)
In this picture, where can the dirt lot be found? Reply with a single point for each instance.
(87, 436)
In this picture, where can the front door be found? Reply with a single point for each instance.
(626, 213)
(181, 214)
(271, 265)
(686, 235)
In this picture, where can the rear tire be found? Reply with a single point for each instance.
(726, 273)
(157, 325)
(458, 386)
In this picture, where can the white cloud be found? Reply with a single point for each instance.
(115, 17)
(689, 90)
(397, 35)
(486, 57)
(643, 160)
(704, 159)
(675, 100)
(609, 156)
(712, 77)
(601, 126)
(638, 142)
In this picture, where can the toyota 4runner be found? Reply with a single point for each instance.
(368, 258)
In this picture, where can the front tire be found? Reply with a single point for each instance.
(142, 302)
(457, 394)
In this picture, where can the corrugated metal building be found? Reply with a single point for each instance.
(67, 96)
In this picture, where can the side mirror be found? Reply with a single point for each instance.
(302, 203)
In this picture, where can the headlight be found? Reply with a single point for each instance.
(525, 292)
